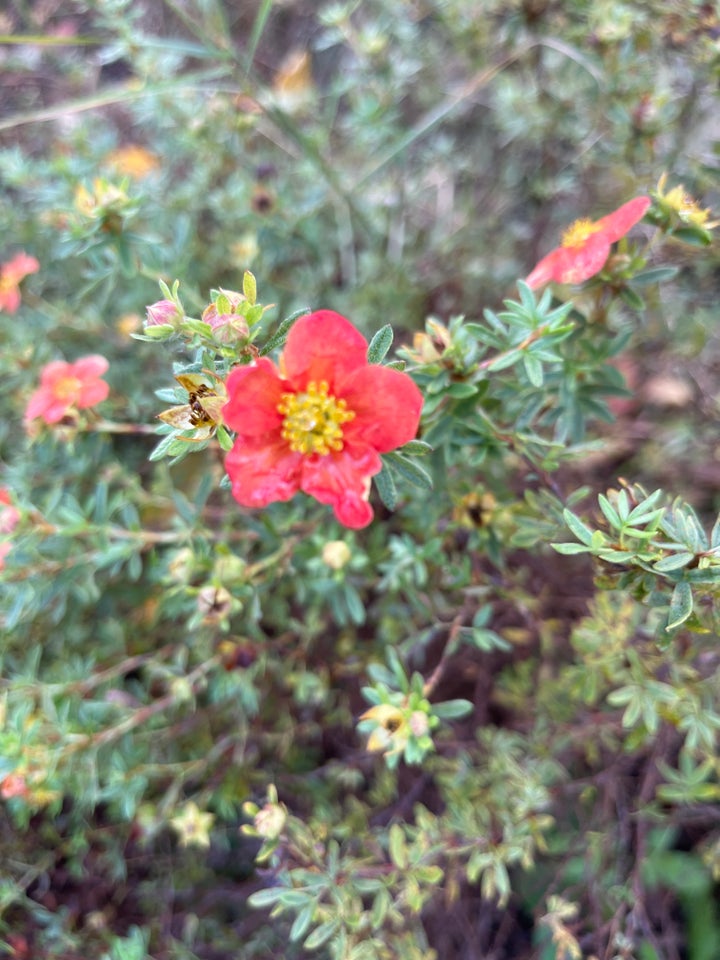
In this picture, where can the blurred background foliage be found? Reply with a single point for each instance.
(167, 657)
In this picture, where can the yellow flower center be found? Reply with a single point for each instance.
(67, 388)
(313, 420)
(578, 232)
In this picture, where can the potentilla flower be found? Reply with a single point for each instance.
(65, 387)
(586, 246)
(11, 273)
(319, 422)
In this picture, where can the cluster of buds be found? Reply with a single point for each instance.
(451, 348)
(107, 205)
(225, 325)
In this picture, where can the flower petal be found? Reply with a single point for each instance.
(254, 393)
(92, 392)
(616, 224)
(386, 404)
(322, 346)
(571, 264)
(10, 298)
(262, 471)
(54, 371)
(19, 267)
(88, 368)
(343, 481)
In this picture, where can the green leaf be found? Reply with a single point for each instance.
(583, 533)
(409, 470)
(695, 236)
(224, 439)
(302, 922)
(452, 709)
(681, 605)
(397, 846)
(385, 486)
(527, 298)
(265, 898)
(322, 934)
(609, 512)
(197, 326)
(380, 344)
(674, 562)
(533, 369)
(280, 335)
(460, 391)
(163, 448)
(250, 287)
(568, 549)
(416, 448)
(655, 275)
(632, 298)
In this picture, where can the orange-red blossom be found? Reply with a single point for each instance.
(11, 273)
(65, 387)
(586, 246)
(318, 422)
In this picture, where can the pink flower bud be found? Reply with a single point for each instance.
(162, 312)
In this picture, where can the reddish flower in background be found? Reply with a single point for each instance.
(68, 386)
(11, 273)
(586, 246)
(319, 422)
(9, 519)
(9, 515)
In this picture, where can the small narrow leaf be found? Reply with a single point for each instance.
(583, 533)
(250, 287)
(410, 471)
(674, 562)
(452, 709)
(681, 605)
(416, 448)
(322, 934)
(386, 489)
(380, 344)
(569, 548)
(533, 369)
(280, 335)
(397, 846)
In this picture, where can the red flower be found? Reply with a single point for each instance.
(586, 246)
(65, 386)
(319, 422)
(9, 515)
(11, 273)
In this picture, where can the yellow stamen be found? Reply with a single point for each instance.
(313, 420)
(66, 388)
(578, 232)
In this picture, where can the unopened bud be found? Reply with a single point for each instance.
(162, 313)
(336, 554)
